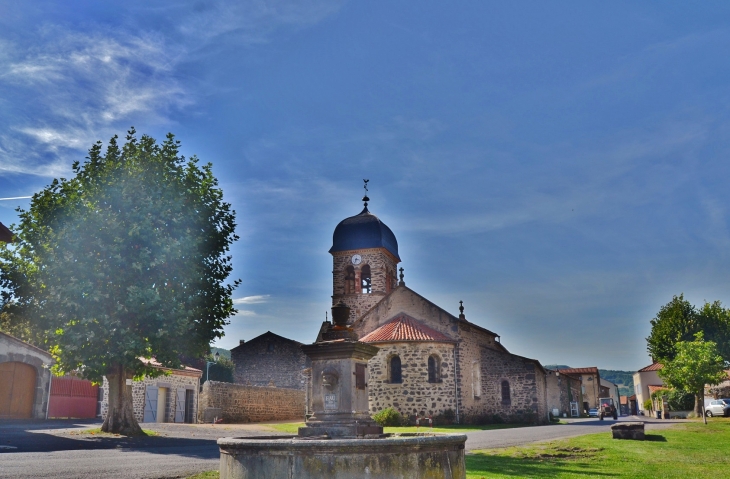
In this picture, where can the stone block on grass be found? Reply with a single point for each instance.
(628, 430)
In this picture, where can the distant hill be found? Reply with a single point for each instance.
(623, 379)
(223, 352)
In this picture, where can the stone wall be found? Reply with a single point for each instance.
(13, 349)
(270, 359)
(241, 404)
(561, 391)
(415, 395)
(382, 273)
(472, 341)
(527, 387)
(177, 379)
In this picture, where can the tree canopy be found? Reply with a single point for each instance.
(127, 259)
(679, 320)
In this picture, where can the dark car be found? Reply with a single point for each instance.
(718, 407)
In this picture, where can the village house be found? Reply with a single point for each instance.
(172, 397)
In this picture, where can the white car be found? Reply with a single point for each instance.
(718, 407)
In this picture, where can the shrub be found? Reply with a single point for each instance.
(388, 417)
(648, 406)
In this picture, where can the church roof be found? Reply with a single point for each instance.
(363, 231)
(404, 328)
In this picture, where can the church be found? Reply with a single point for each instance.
(430, 362)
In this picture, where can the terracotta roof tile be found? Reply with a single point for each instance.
(154, 363)
(404, 328)
(651, 367)
(592, 370)
(653, 388)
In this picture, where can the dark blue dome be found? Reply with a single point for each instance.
(363, 231)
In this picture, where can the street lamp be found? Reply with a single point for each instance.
(208, 363)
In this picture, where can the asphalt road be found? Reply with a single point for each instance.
(61, 449)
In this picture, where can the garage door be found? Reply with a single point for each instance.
(17, 390)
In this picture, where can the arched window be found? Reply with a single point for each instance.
(476, 379)
(349, 280)
(505, 392)
(434, 373)
(365, 279)
(395, 370)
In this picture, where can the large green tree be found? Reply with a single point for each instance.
(126, 260)
(695, 364)
(679, 320)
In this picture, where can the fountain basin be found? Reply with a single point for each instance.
(406, 456)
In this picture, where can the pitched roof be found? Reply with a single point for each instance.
(5, 234)
(155, 364)
(651, 367)
(404, 328)
(592, 370)
(623, 400)
(632, 397)
(654, 388)
(24, 344)
(404, 288)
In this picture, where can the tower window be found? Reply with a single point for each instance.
(349, 280)
(366, 280)
(395, 370)
(434, 375)
(505, 392)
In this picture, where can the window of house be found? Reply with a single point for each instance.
(349, 280)
(434, 373)
(476, 380)
(395, 370)
(505, 392)
(365, 279)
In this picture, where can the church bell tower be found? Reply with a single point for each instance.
(364, 261)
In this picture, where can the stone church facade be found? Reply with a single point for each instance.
(430, 361)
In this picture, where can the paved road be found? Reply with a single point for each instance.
(525, 435)
(61, 449)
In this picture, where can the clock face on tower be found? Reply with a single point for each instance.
(356, 259)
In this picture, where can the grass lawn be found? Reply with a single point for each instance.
(293, 428)
(687, 450)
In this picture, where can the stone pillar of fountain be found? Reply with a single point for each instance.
(340, 383)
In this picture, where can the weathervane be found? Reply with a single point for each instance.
(365, 198)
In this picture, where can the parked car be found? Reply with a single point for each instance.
(593, 412)
(718, 407)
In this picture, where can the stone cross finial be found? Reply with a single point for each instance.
(402, 282)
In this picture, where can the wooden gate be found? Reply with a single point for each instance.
(17, 390)
(72, 397)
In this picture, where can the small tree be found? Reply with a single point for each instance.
(695, 364)
(126, 260)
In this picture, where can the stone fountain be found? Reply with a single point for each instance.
(341, 440)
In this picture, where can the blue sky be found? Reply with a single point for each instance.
(560, 167)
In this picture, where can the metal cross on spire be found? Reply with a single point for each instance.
(365, 198)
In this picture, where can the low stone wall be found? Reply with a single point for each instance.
(241, 403)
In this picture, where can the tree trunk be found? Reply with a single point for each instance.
(700, 405)
(120, 415)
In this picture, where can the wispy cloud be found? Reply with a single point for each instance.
(257, 299)
(16, 198)
(73, 88)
